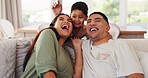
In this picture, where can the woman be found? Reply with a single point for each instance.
(47, 57)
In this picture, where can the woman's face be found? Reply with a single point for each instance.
(78, 18)
(64, 26)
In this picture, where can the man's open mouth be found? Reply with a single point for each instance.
(93, 29)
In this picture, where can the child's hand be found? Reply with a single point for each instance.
(57, 8)
(77, 42)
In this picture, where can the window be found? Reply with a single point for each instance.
(109, 7)
(138, 12)
(39, 11)
(36, 11)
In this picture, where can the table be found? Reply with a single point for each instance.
(132, 32)
(28, 31)
(32, 30)
(129, 32)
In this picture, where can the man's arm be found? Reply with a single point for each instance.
(128, 61)
(136, 75)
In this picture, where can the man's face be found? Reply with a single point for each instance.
(97, 27)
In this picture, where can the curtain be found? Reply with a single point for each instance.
(11, 11)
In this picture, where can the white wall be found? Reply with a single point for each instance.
(0, 9)
(123, 12)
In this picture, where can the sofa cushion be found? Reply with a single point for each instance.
(143, 56)
(21, 51)
(7, 58)
(138, 44)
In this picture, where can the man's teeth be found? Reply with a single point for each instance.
(65, 27)
(93, 29)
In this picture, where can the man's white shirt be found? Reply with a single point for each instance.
(109, 60)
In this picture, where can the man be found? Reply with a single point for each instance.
(104, 57)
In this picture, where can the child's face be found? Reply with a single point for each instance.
(78, 18)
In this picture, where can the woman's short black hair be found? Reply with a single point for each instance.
(80, 6)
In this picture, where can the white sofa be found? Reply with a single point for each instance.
(12, 53)
(7, 58)
(22, 47)
(140, 46)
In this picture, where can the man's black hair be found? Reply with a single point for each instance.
(102, 14)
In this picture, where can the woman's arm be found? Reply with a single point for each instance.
(49, 74)
(45, 61)
(136, 75)
(78, 57)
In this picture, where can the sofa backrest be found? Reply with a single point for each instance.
(138, 44)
